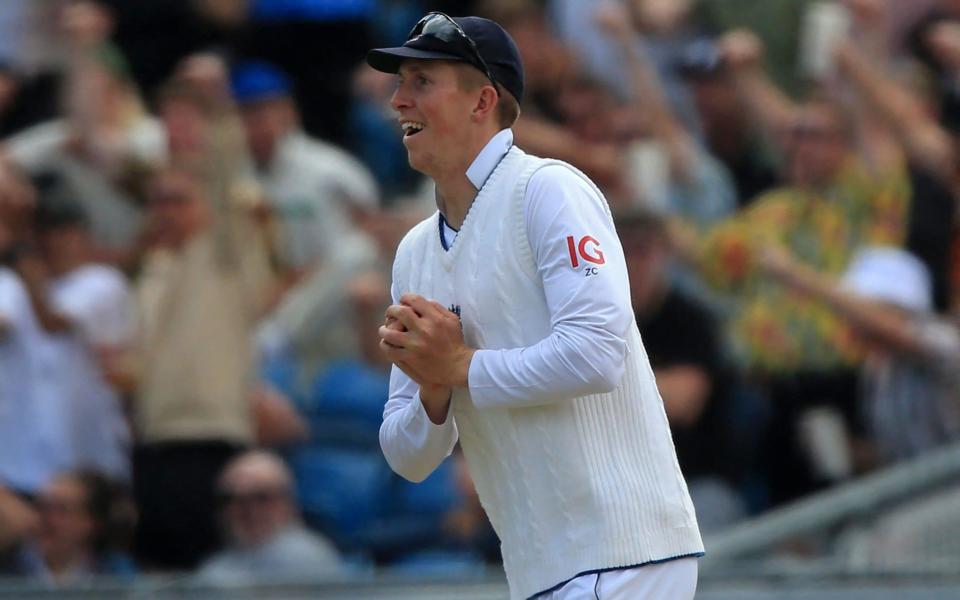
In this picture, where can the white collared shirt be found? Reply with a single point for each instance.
(560, 397)
(34, 444)
(489, 157)
(477, 173)
(559, 204)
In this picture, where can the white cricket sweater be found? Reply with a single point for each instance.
(570, 485)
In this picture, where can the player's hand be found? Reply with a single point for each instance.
(434, 397)
(427, 390)
(428, 343)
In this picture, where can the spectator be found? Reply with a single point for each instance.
(832, 202)
(683, 343)
(696, 186)
(201, 289)
(318, 195)
(156, 36)
(29, 442)
(558, 93)
(668, 29)
(319, 42)
(196, 101)
(934, 41)
(86, 310)
(778, 24)
(910, 118)
(264, 536)
(184, 115)
(38, 439)
(912, 393)
(729, 132)
(74, 533)
(313, 187)
(101, 148)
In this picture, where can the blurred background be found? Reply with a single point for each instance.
(199, 205)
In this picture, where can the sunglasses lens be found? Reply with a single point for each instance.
(441, 27)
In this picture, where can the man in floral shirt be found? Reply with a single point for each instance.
(803, 354)
(831, 205)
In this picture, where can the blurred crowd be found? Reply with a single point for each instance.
(200, 201)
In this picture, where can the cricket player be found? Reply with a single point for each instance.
(512, 331)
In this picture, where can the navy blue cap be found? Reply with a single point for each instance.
(257, 80)
(493, 43)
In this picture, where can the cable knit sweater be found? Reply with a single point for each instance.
(571, 485)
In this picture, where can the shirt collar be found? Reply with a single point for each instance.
(489, 157)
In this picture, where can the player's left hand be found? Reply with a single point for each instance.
(431, 350)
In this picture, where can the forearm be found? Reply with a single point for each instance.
(645, 86)
(413, 445)
(584, 350)
(925, 141)
(768, 104)
(31, 271)
(570, 363)
(868, 317)
(436, 403)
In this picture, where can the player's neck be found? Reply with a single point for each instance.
(454, 197)
(455, 191)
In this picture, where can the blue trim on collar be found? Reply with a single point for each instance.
(443, 236)
(483, 166)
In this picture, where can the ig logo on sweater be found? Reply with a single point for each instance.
(579, 250)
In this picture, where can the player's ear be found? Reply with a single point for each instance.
(486, 102)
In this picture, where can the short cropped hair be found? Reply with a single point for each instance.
(508, 109)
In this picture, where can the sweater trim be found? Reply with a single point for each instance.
(447, 257)
(657, 561)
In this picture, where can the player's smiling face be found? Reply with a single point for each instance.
(434, 113)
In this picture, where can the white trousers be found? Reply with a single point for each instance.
(671, 580)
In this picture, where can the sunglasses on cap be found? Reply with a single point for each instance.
(442, 27)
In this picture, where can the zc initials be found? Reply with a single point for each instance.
(595, 256)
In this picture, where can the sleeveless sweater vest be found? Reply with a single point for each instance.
(574, 486)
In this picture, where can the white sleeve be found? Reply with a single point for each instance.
(412, 444)
(584, 274)
(14, 302)
(101, 306)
